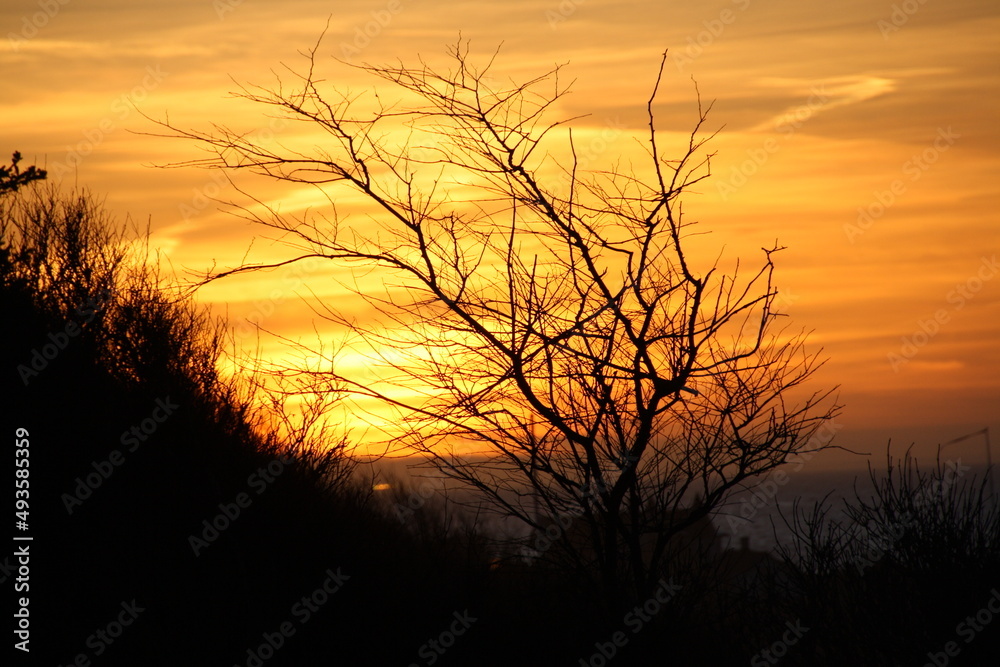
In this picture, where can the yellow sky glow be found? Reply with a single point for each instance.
(867, 145)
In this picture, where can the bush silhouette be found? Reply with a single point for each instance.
(891, 581)
(114, 527)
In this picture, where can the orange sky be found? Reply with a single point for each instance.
(829, 110)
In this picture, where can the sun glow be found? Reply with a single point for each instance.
(829, 142)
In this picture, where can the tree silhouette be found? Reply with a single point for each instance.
(12, 178)
(546, 314)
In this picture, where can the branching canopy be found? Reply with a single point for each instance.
(546, 313)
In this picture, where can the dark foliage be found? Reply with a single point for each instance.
(12, 178)
(99, 353)
(139, 345)
(898, 578)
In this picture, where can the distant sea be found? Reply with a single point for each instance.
(754, 513)
(766, 503)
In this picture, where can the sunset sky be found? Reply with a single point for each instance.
(862, 135)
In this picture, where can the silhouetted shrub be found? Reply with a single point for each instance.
(892, 580)
(133, 532)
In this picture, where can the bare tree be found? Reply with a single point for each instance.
(545, 313)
